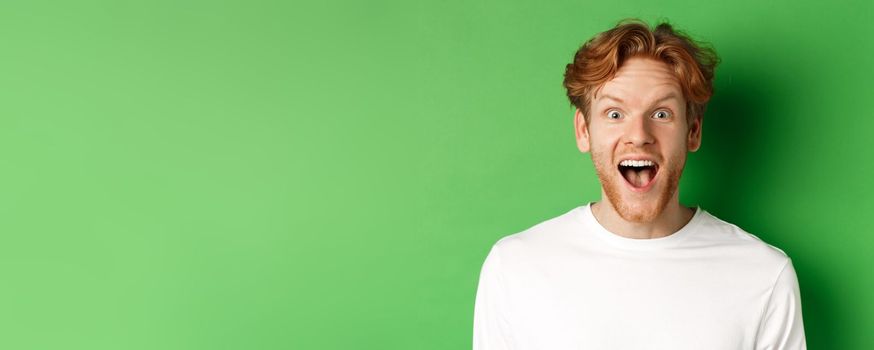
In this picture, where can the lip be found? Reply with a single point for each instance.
(651, 182)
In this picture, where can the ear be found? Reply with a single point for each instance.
(694, 141)
(581, 130)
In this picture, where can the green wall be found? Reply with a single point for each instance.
(331, 175)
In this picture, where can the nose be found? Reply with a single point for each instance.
(638, 132)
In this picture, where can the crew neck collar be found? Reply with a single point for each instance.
(588, 218)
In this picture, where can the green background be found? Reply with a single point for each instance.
(331, 175)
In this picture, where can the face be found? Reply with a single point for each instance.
(639, 137)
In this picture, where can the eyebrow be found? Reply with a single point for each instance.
(666, 97)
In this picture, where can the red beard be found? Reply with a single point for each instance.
(638, 207)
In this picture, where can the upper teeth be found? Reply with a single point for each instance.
(630, 162)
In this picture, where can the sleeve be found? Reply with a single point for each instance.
(490, 326)
(781, 326)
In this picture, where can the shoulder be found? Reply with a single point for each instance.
(732, 240)
(542, 238)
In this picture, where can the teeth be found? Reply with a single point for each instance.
(636, 163)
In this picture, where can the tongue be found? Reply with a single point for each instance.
(639, 178)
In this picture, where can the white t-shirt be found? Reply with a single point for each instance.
(568, 283)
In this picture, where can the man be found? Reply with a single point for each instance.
(638, 270)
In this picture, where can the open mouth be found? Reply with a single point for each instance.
(640, 174)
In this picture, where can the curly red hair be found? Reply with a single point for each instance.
(597, 61)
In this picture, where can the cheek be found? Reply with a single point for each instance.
(674, 140)
(603, 138)
(602, 150)
(676, 152)
(602, 159)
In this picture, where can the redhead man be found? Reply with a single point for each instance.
(638, 270)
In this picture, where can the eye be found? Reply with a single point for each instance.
(662, 114)
(613, 114)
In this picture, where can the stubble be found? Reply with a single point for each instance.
(638, 207)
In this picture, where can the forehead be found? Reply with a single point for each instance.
(641, 80)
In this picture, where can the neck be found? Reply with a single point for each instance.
(670, 220)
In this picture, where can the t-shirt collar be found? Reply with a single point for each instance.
(584, 213)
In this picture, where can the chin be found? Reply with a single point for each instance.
(640, 207)
(636, 211)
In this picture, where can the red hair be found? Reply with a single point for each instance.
(597, 61)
